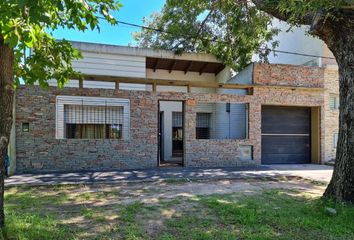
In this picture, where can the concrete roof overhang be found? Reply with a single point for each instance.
(160, 59)
(184, 65)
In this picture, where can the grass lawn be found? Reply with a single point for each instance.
(175, 210)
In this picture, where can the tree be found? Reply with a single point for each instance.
(26, 27)
(233, 30)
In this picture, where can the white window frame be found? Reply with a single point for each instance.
(92, 101)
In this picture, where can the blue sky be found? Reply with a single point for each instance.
(132, 11)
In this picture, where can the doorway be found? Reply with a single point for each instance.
(170, 133)
(286, 135)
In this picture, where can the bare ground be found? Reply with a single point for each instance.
(96, 209)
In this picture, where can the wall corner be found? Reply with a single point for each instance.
(12, 144)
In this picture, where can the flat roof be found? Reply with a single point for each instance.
(142, 52)
(159, 59)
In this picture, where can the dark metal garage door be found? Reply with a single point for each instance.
(285, 135)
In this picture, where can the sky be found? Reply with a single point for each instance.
(132, 11)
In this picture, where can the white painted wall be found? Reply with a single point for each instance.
(296, 41)
(225, 125)
(230, 125)
(224, 75)
(171, 89)
(168, 107)
(179, 75)
(111, 65)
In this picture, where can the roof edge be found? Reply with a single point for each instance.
(142, 52)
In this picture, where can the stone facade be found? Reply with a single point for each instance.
(39, 150)
(288, 75)
(331, 116)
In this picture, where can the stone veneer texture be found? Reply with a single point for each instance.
(39, 150)
(331, 115)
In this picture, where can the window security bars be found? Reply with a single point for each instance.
(203, 125)
(177, 134)
(334, 102)
(92, 118)
(93, 122)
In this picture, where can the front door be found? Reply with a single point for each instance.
(170, 139)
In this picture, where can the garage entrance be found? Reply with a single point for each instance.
(286, 135)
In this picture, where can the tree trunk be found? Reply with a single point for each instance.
(6, 102)
(340, 39)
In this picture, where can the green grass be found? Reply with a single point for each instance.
(275, 214)
(44, 213)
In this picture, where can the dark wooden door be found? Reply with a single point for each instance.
(285, 135)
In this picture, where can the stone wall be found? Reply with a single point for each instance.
(288, 75)
(39, 150)
(331, 117)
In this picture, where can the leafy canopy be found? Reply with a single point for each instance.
(28, 24)
(232, 30)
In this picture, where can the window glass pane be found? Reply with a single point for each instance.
(85, 131)
(335, 140)
(203, 125)
(334, 102)
(93, 122)
(177, 119)
(114, 131)
(221, 120)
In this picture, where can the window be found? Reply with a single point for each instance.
(25, 127)
(92, 118)
(334, 102)
(93, 122)
(94, 131)
(221, 120)
(177, 134)
(203, 125)
(335, 140)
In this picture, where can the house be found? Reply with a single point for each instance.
(144, 108)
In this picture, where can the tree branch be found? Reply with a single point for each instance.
(271, 8)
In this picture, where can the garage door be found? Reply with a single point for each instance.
(285, 135)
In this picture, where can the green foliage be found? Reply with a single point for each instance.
(26, 26)
(231, 30)
(227, 29)
(278, 214)
(296, 10)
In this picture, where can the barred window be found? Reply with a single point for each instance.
(334, 102)
(203, 125)
(177, 134)
(93, 122)
(92, 118)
